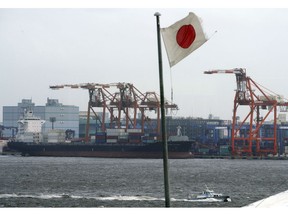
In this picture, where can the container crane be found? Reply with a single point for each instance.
(249, 93)
(119, 99)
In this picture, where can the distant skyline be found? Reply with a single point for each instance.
(43, 47)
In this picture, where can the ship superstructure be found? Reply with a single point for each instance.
(30, 128)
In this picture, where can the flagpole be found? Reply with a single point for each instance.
(163, 124)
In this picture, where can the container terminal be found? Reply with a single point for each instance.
(118, 114)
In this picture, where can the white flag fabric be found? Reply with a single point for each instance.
(182, 38)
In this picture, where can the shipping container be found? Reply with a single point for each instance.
(56, 136)
(112, 140)
(286, 149)
(134, 130)
(224, 150)
(203, 150)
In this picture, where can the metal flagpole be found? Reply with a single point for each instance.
(163, 124)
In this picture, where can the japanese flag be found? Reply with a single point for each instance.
(182, 38)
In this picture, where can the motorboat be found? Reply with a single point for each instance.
(209, 195)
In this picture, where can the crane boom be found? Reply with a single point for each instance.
(232, 71)
(241, 79)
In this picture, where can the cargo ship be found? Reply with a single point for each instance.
(113, 143)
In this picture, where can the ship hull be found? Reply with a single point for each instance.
(176, 150)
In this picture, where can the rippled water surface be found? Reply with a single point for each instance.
(98, 182)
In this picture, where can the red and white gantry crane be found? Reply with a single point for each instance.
(121, 101)
(256, 97)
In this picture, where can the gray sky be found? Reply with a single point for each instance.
(42, 47)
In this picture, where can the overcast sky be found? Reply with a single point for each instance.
(43, 47)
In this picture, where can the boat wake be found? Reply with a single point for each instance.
(37, 196)
(100, 198)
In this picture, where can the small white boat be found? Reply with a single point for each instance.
(209, 195)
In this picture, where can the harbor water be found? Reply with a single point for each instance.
(105, 182)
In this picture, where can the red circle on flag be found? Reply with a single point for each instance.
(185, 36)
